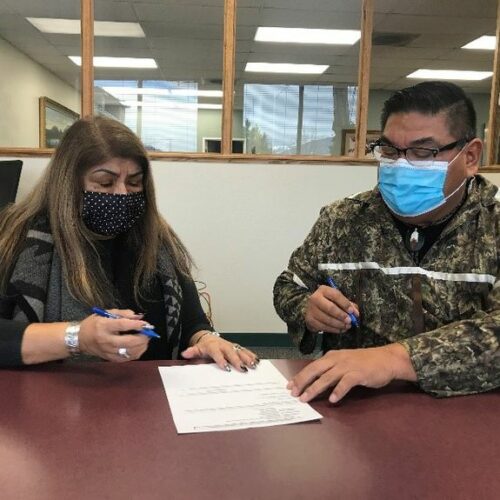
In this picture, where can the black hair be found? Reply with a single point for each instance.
(431, 98)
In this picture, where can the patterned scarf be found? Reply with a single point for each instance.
(42, 294)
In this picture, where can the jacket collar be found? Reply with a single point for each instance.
(481, 193)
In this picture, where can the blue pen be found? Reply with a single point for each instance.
(105, 314)
(331, 282)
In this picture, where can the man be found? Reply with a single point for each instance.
(416, 261)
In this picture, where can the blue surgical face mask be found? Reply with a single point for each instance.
(412, 190)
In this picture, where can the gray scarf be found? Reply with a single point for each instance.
(42, 294)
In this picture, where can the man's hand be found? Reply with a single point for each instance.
(372, 367)
(327, 310)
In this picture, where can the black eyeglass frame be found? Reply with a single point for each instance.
(433, 151)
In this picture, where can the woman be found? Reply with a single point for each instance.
(90, 235)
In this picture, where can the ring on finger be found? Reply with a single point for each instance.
(237, 347)
(122, 351)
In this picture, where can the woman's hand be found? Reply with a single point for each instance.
(224, 353)
(103, 337)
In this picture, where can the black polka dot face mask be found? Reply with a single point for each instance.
(111, 214)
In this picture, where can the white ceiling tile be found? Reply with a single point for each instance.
(114, 11)
(322, 51)
(445, 8)
(121, 52)
(59, 40)
(430, 24)
(186, 31)
(68, 9)
(406, 53)
(103, 43)
(179, 48)
(326, 5)
(330, 19)
(219, 3)
(431, 40)
(182, 14)
(247, 17)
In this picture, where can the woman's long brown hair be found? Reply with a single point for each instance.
(58, 195)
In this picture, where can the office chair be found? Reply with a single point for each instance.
(10, 172)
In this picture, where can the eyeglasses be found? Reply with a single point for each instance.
(417, 156)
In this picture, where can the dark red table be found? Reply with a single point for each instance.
(104, 431)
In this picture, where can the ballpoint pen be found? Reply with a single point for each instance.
(331, 283)
(105, 314)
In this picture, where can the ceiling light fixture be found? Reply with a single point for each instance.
(449, 74)
(118, 62)
(485, 42)
(307, 35)
(311, 69)
(73, 27)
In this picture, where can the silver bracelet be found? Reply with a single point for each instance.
(71, 338)
(215, 334)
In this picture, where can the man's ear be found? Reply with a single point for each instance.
(473, 156)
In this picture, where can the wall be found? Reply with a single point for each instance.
(241, 223)
(209, 125)
(20, 87)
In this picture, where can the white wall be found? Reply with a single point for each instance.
(22, 82)
(241, 223)
(209, 125)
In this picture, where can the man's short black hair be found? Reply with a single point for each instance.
(431, 98)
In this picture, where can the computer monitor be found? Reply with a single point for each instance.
(10, 172)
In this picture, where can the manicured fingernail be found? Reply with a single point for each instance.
(149, 326)
(253, 365)
(227, 367)
(333, 398)
(244, 368)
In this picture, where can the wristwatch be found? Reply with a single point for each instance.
(71, 338)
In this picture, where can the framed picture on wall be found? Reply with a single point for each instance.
(349, 141)
(54, 119)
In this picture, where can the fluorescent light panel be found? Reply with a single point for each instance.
(307, 35)
(312, 69)
(171, 105)
(162, 92)
(101, 28)
(118, 62)
(449, 74)
(486, 42)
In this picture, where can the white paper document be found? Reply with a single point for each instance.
(204, 398)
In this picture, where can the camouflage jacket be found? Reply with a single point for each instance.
(452, 297)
